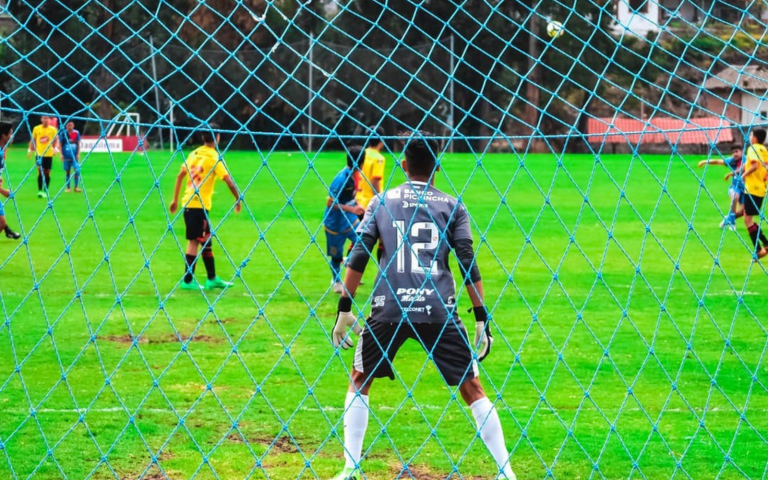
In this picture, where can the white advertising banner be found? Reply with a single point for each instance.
(96, 144)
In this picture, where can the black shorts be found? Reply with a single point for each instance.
(196, 221)
(447, 344)
(752, 205)
(46, 163)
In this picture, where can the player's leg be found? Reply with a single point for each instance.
(356, 409)
(47, 165)
(761, 230)
(739, 205)
(334, 248)
(5, 228)
(450, 348)
(67, 164)
(193, 232)
(370, 362)
(190, 261)
(39, 163)
(213, 281)
(730, 220)
(11, 234)
(488, 424)
(752, 206)
(76, 167)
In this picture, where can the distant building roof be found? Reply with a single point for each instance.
(746, 77)
(673, 131)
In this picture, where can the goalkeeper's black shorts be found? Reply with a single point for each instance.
(446, 344)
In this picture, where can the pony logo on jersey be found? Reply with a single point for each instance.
(414, 294)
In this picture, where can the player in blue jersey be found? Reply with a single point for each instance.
(736, 189)
(6, 132)
(414, 298)
(70, 154)
(342, 213)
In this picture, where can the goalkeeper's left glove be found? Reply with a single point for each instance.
(483, 336)
(344, 320)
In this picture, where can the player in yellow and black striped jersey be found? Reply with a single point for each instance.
(44, 144)
(755, 175)
(201, 169)
(371, 173)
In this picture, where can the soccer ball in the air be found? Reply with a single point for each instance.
(554, 29)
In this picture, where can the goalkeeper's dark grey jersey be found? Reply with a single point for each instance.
(417, 226)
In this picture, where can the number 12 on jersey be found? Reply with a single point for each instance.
(416, 265)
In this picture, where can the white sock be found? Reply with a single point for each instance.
(355, 424)
(489, 425)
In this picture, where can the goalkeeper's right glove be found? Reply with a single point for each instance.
(344, 321)
(483, 336)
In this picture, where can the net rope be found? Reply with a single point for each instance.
(629, 333)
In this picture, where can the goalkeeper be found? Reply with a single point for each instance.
(415, 298)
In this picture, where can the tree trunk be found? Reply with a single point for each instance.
(532, 92)
(582, 144)
(103, 79)
(483, 131)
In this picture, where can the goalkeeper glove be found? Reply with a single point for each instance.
(344, 321)
(483, 336)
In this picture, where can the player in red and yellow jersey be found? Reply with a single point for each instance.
(754, 176)
(44, 144)
(371, 176)
(200, 170)
(372, 172)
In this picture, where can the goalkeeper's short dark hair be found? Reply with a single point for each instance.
(5, 128)
(420, 153)
(355, 156)
(209, 133)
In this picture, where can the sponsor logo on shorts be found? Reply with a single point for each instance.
(414, 309)
(378, 301)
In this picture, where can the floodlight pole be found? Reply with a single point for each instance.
(157, 91)
(173, 130)
(309, 85)
(453, 75)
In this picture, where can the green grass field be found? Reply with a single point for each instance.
(630, 329)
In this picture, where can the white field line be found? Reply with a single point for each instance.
(384, 408)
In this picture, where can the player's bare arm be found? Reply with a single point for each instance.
(4, 191)
(174, 206)
(474, 285)
(357, 209)
(752, 168)
(31, 148)
(711, 162)
(345, 320)
(235, 193)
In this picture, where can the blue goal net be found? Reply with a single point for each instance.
(183, 183)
